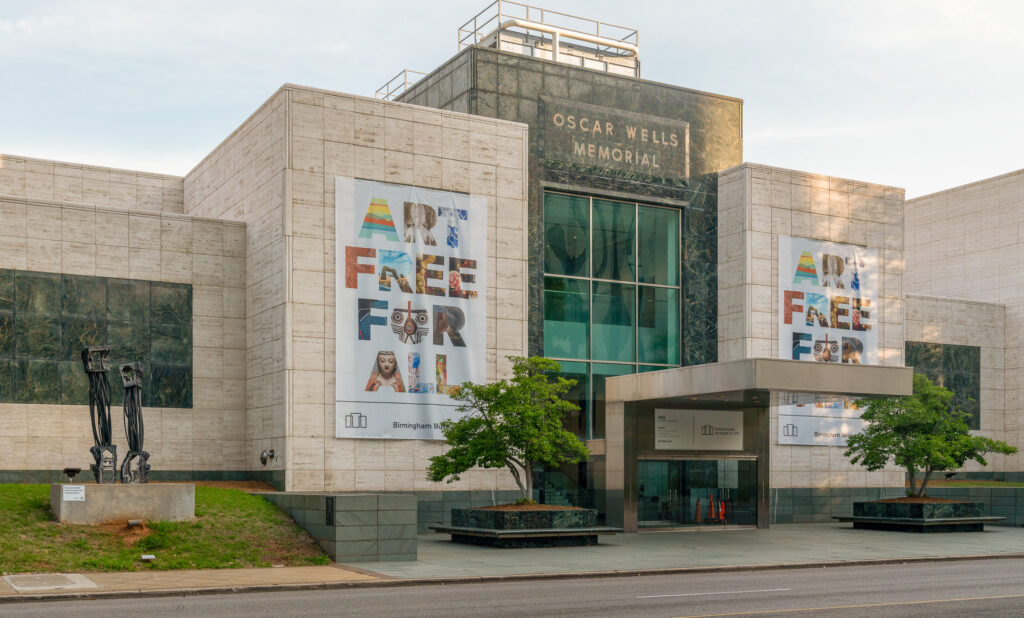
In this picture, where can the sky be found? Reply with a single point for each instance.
(920, 94)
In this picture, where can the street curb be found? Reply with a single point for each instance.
(486, 579)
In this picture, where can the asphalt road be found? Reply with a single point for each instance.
(954, 588)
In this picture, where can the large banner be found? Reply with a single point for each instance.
(411, 306)
(828, 310)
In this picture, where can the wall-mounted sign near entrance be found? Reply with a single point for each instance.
(698, 430)
(601, 137)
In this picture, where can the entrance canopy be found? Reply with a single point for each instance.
(670, 418)
(751, 382)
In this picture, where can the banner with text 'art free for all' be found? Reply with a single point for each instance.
(828, 313)
(411, 306)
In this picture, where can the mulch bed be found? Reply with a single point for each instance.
(917, 500)
(528, 507)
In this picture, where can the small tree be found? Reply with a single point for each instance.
(514, 423)
(921, 433)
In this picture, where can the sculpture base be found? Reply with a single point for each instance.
(115, 502)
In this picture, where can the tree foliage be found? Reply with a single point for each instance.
(922, 433)
(515, 423)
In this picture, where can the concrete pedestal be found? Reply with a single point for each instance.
(115, 502)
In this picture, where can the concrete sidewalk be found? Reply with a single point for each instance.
(86, 585)
(782, 545)
(440, 561)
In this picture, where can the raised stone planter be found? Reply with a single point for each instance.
(519, 520)
(922, 516)
(541, 528)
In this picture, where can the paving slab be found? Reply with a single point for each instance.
(788, 544)
(190, 580)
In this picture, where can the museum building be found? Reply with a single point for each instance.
(306, 298)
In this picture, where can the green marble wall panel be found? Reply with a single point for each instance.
(128, 301)
(37, 293)
(46, 319)
(37, 381)
(6, 291)
(8, 375)
(37, 336)
(171, 303)
(955, 367)
(6, 335)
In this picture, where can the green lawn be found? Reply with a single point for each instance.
(232, 529)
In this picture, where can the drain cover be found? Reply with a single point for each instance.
(49, 581)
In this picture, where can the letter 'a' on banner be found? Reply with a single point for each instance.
(829, 312)
(411, 313)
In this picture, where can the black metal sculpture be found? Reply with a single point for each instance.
(96, 367)
(135, 467)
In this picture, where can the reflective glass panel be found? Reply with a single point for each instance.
(614, 239)
(614, 312)
(600, 372)
(576, 422)
(646, 368)
(658, 246)
(658, 325)
(566, 317)
(696, 493)
(566, 244)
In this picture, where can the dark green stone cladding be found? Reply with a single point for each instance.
(956, 367)
(47, 318)
(521, 520)
(508, 86)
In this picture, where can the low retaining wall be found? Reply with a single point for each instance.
(117, 502)
(355, 527)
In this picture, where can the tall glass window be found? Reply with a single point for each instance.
(611, 293)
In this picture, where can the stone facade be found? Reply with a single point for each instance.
(57, 181)
(276, 172)
(98, 244)
(964, 244)
(756, 205)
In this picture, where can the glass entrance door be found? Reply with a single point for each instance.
(696, 493)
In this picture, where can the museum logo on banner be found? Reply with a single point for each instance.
(828, 311)
(411, 306)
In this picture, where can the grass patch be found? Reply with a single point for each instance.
(232, 529)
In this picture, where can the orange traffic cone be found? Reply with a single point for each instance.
(711, 507)
(721, 513)
(697, 517)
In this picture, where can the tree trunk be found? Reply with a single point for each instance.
(913, 481)
(528, 474)
(924, 481)
(519, 480)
